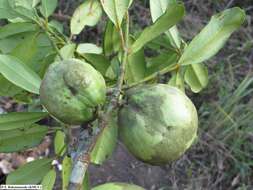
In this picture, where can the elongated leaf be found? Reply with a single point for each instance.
(48, 7)
(99, 62)
(173, 14)
(115, 10)
(67, 51)
(111, 42)
(66, 171)
(86, 182)
(177, 81)
(30, 173)
(213, 37)
(196, 76)
(106, 142)
(49, 180)
(136, 67)
(29, 46)
(156, 64)
(87, 14)
(15, 120)
(18, 140)
(16, 28)
(5, 10)
(59, 143)
(23, 8)
(89, 48)
(157, 8)
(19, 74)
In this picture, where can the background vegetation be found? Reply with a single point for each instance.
(222, 157)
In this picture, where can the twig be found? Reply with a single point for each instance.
(82, 159)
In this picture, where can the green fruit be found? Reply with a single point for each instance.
(71, 90)
(158, 123)
(117, 186)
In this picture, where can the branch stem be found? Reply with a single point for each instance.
(82, 158)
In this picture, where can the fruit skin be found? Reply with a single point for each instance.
(117, 186)
(71, 90)
(158, 123)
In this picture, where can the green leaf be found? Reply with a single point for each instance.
(15, 120)
(29, 46)
(21, 139)
(160, 62)
(86, 182)
(157, 8)
(111, 42)
(88, 48)
(16, 28)
(136, 67)
(9, 43)
(67, 51)
(49, 180)
(99, 62)
(196, 76)
(8, 88)
(173, 14)
(59, 143)
(66, 171)
(48, 7)
(106, 142)
(30, 173)
(177, 81)
(58, 26)
(213, 37)
(87, 14)
(114, 69)
(115, 10)
(23, 9)
(19, 74)
(5, 10)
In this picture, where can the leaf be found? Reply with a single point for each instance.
(99, 62)
(115, 10)
(86, 182)
(106, 142)
(16, 28)
(30, 173)
(57, 26)
(49, 180)
(157, 8)
(48, 7)
(67, 52)
(136, 67)
(5, 10)
(66, 171)
(177, 81)
(21, 139)
(88, 48)
(8, 88)
(173, 14)
(160, 62)
(19, 74)
(15, 120)
(59, 143)
(111, 42)
(29, 46)
(87, 14)
(196, 76)
(23, 9)
(213, 37)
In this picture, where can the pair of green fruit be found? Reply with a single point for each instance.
(157, 123)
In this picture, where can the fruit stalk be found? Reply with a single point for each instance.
(82, 159)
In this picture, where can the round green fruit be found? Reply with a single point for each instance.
(158, 123)
(117, 186)
(71, 90)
